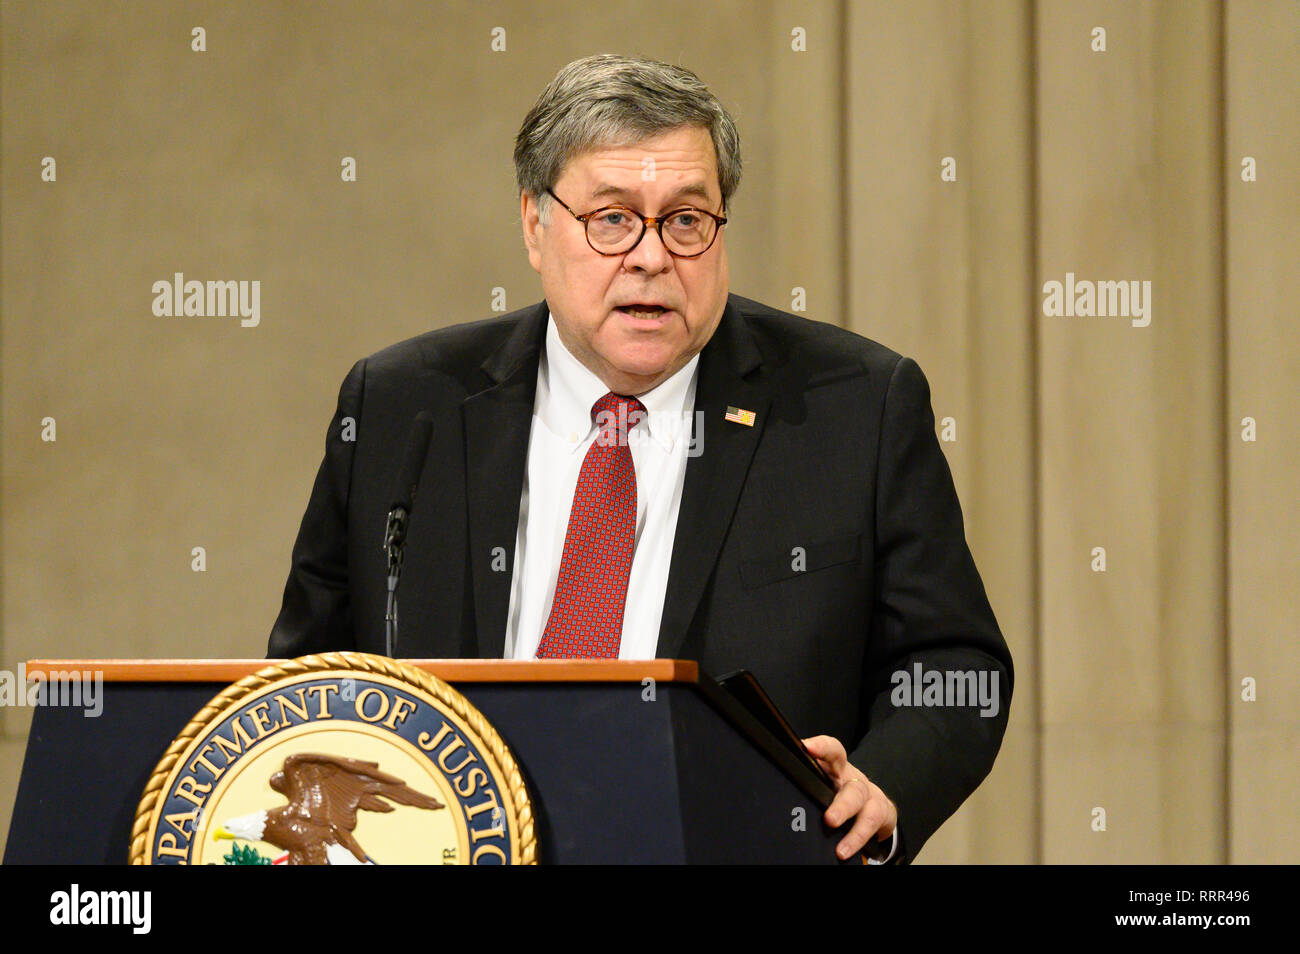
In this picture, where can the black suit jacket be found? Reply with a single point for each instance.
(842, 461)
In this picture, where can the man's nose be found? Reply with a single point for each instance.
(649, 253)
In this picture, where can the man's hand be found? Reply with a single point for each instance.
(855, 795)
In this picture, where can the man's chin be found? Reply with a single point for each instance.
(640, 375)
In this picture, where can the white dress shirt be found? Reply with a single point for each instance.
(562, 431)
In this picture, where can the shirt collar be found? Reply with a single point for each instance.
(567, 389)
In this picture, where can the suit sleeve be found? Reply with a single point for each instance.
(930, 609)
(315, 612)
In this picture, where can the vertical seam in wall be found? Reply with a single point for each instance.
(842, 50)
(971, 377)
(4, 718)
(1225, 446)
(1035, 479)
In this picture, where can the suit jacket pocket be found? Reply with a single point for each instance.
(817, 555)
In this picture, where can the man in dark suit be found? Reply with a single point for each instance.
(802, 524)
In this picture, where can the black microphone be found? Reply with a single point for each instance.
(408, 478)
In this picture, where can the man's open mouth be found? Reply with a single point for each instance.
(642, 311)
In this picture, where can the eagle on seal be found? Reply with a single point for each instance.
(324, 794)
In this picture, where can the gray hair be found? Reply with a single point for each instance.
(610, 100)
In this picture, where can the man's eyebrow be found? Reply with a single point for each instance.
(697, 189)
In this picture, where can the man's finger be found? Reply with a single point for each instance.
(848, 801)
(827, 748)
(870, 820)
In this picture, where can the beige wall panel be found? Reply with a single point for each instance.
(1096, 374)
(1188, 443)
(1263, 108)
(790, 201)
(1131, 457)
(994, 458)
(940, 271)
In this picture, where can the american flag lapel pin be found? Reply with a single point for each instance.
(738, 415)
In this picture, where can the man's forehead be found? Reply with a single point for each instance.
(682, 162)
(696, 189)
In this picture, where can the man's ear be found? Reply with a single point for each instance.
(533, 228)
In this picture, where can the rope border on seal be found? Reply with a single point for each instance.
(343, 661)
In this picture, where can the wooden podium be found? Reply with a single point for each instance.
(614, 776)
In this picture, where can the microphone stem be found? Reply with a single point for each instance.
(390, 617)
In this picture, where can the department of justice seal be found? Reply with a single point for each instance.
(339, 758)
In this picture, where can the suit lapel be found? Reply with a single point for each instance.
(715, 477)
(498, 421)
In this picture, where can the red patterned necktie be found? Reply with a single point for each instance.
(587, 612)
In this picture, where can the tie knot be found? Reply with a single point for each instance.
(615, 415)
(615, 409)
